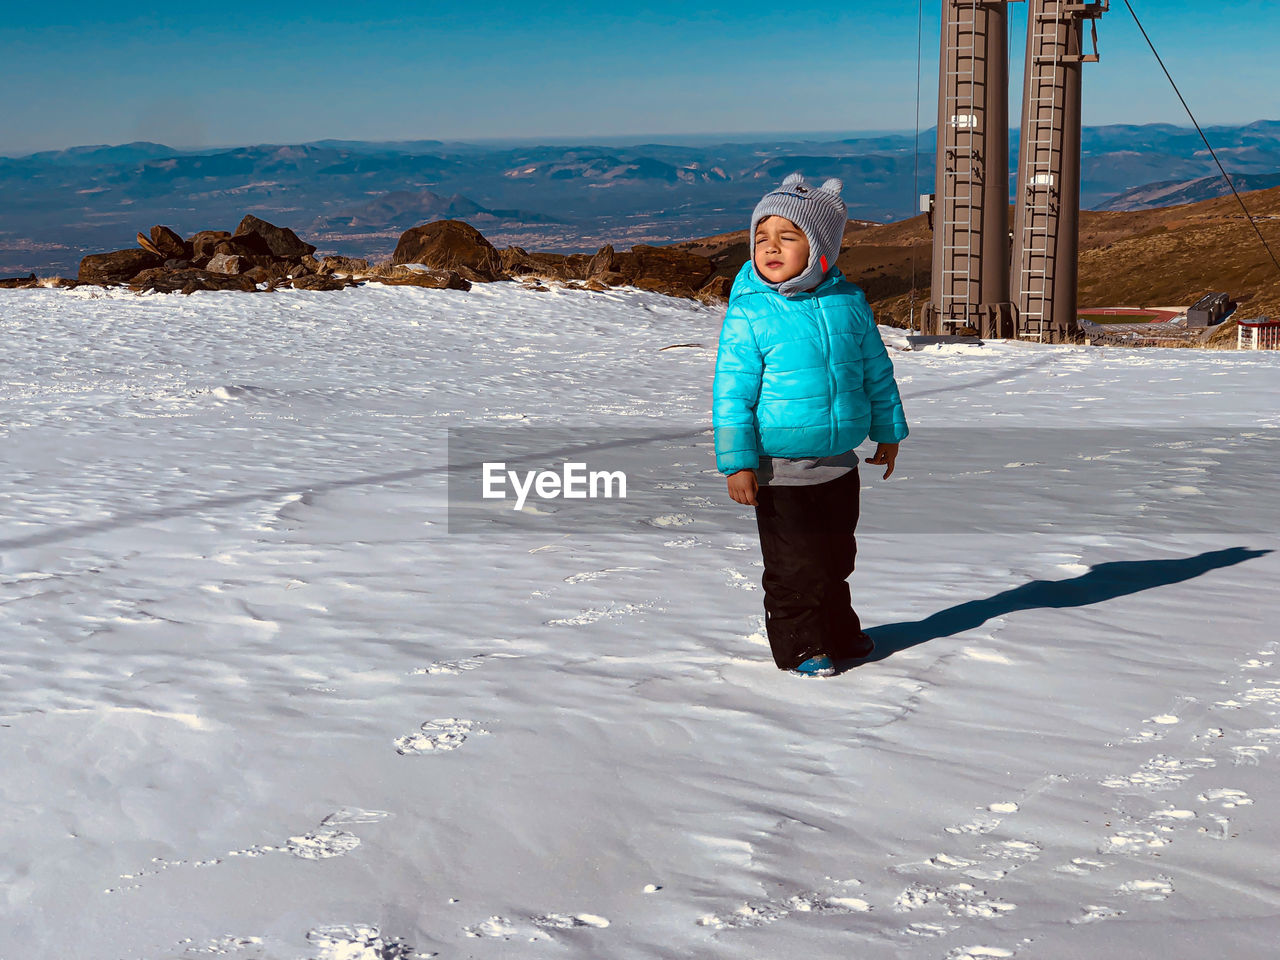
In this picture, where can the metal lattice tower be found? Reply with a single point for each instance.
(1046, 221)
(971, 212)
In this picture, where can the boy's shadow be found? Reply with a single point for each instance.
(1104, 581)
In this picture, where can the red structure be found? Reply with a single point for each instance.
(1262, 334)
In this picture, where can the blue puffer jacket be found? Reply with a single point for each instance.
(800, 376)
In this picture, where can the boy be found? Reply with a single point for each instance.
(802, 378)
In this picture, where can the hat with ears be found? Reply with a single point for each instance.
(819, 212)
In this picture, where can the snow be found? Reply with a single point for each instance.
(259, 700)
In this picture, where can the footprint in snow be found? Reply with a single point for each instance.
(1016, 851)
(359, 941)
(760, 912)
(957, 900)
(920, 929)
(740, 580)
(1158, 888)
(355, 815)
(1081, 866)
(699, 502)
(597, 574)
(1155, 729)
(683, 542)
(506, 928)
(1221, 828)
(671, 520)
(322, 844)
(595, 614)
(1249, 754)
(564, 921)
(493, 927)
(1093, 913)
(1263, 739)
(1159, 773)
(1169, 815)
(1133, 841)
(1226, 797)
(450, 666)
(979, 824)
(436, 736)
(986, 821)
(220, 946)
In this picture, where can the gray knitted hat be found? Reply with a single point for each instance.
(819, 212)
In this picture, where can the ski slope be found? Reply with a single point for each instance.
(259, 700)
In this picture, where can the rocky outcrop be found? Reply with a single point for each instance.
(320, 281)
(660, 269)
(518, 262)
(602, 263)
(228, 264)
(160, 280)
(451, 245)
(443, 254)
(165, 244)
(202, 243)
(119, 266)
(145, 243)
(169, 244)
(280, 242)
(257, 253)
(715, 291)
(15, 283)
(415, 275)
(349, 266)
(248, 245)
(269, 275)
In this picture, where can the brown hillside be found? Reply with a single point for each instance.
(1169, 255)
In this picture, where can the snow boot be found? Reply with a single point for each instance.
(819, 666)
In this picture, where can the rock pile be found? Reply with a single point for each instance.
(457, 247)
(443, 254)
(258, 255)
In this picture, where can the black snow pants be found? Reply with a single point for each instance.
(807, 541)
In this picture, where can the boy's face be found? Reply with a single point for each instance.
(782, 249)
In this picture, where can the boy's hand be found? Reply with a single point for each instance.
(885, 453)
(743, 487)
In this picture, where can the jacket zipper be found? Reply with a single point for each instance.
(831, 379)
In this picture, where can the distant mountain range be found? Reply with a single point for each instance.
(412, 207)
(356, 197)
(1171, 193)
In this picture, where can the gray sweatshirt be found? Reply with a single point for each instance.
(784, 472)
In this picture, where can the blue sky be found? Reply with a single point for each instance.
(270, 72)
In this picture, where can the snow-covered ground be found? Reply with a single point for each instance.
(257, 699)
